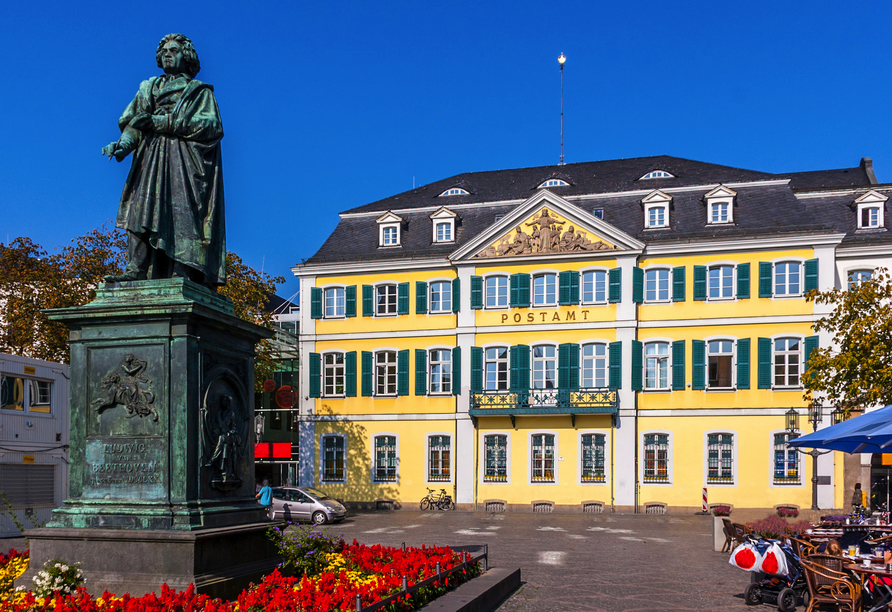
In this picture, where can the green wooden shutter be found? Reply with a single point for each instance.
(765, 288)
(315, 374)
(678, 370)
(615, 352)
(569, 281)
(456, 370)
(402, 299)
(764, 363)
(564, 365)
(743, 281)
(637, 366)
(523, 293)
(476, 369)
(514, 291)
(699, 283)
(420, 372)
(350, 373)
(350, 301)
(456, 295)
(811, 343)
(368, 303)
(698, 365)
(367, 373)
(476, 292)
(743, 363)
(520, 367)
(615, 285)
(315, 303)
(637, 285)
(402, 372)
(420, 297)
(678, 282)
(811, 275)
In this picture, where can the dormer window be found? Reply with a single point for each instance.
(554, 182)
(454, 191)
(720, 205)
(656, 210)
(444, 225)
(389, 230)
(656, 174)
(869, 209)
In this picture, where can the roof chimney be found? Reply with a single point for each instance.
(867, 166)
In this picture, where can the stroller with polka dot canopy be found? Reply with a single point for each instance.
(777, 573)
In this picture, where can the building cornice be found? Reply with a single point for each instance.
(364, 267)
(873, 250)
(755, 243)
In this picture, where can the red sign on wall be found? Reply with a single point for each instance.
(286, 397)
(272, 450)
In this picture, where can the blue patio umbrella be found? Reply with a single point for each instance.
(869, 433)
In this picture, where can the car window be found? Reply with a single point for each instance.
(279, 493)
(295, 496)
(319, 495)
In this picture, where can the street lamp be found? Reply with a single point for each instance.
(838, 416)
(815, 413)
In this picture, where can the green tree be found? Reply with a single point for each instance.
(857, 371)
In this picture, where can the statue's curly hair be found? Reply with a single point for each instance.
(189, 53)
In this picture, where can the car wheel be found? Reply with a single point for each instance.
(319, 518)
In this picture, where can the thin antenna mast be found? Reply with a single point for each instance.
(561, 61)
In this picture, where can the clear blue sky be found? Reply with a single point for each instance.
(330, 105)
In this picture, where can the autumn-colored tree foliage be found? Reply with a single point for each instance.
(856, 372)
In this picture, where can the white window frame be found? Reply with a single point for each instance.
(654, 223)
(427, 457)
(669, 458)
(733, 342)
(555, 348)
(453, 191)
(375, 354)
(555, 458)
(872, 200)
(34, 403)
(507, 362)
(536, 274)
(507, 280)
(801, 465)
(343, 290)
(596, 270)
(396, 302)
(787, 260)
(374, 458)
(859, 272)
(449, 225)
(656, 174)
(720, 196)
(447, 374)
(668, 272)
(582, 359)
(443, 216)
(484, 435)
(322, 480)
(720, 265)
(430, 297)
(735, 443)
(343, 373)
(801, 339)
(553, 182)
(383, 231)
(644, 345)
(596, 432)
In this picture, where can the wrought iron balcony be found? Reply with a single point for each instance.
(592, 400)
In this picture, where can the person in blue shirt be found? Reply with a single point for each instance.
(265, 495)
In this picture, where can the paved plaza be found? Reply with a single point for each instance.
(579, 561)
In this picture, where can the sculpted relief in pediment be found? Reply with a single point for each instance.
(544, 233)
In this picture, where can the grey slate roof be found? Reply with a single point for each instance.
(759, 209)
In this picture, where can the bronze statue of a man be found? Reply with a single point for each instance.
(172, 204)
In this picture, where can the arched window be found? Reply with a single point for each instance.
(656, 174)
(554, 182)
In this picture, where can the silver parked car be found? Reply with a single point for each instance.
(305, 504)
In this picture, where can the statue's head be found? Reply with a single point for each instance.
(178, 49)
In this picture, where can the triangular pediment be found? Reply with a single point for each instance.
(871, 197)
(656, 196)
(720, 192)
(389, 217)
(544, 225)
(443, 213)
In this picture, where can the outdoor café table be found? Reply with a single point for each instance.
(882, 593)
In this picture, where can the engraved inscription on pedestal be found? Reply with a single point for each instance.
(124, 468)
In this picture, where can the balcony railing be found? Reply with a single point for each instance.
(592, 400)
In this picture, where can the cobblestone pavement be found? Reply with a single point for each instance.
(577, 561)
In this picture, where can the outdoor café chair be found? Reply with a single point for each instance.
(728, 530)
(829, 583)
(802, 548)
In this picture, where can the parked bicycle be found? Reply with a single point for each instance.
(443, 501)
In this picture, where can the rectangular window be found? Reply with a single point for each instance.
(544, 367)
(656, 216)
(545, 290)
(440, 371)
(856, 277)
(390, 236)
(787, 360)
(656, 285)
(441, 296)
(385, 373)
(719, 213)
(495, 458)
(444, 232)
(656, 365)
(542, 454)
(385, 459)
(333, 375)
(787, 278)
(438, 452)
(721, 357)
(656, 458)
(41, 396)
(334, 302)
(721, 282)
(495, 369)
(786, 460)
(594, 366)
(333, 459)
(593, 458)
(496, 290)
(594, 287)
(598, 212)
(720, 458)
(386, 300)
(12, 393)
(870, 217)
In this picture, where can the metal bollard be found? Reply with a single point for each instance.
(404, 547)
(405, 584)
(438, 572)
(486, 557)
(358, 604)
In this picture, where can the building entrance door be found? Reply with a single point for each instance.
(880, 477)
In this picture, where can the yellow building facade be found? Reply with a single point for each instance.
(604, 336)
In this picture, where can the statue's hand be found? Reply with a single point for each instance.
(109, 149)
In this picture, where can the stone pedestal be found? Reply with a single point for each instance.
(162, 442)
